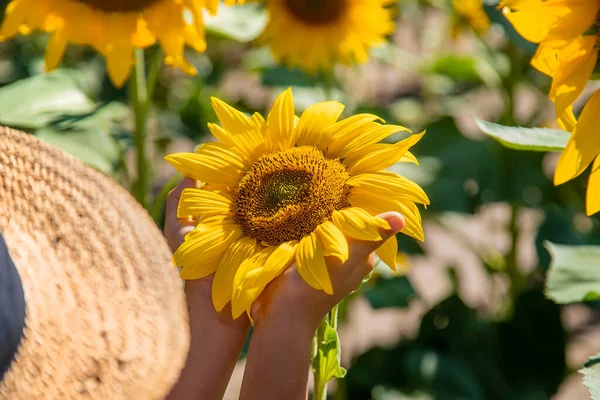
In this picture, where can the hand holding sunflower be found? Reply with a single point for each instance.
(286, 315)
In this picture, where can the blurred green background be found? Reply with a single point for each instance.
(470, 320)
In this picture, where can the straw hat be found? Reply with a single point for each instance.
(105, 311)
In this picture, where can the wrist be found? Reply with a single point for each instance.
(296, 314)
(287, 321)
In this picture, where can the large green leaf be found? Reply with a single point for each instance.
(94, 147)
(240, 23)
(532, 139)
(466, 173)
(35, 102)
(89, 137)
(574, 273)
(591, 376)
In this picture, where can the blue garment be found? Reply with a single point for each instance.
(12, 309)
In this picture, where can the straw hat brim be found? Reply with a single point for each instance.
(105, 310)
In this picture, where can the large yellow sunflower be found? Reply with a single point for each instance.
(314, 34)
(290, 189)
(113, 27)
(568, 54)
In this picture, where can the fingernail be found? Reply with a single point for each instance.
(396, 221)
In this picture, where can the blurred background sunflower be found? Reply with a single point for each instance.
(315, 34)
(113, 27)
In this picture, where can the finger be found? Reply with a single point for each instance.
(175, 194)
(176, 228)
(360, 249)
(173, 200)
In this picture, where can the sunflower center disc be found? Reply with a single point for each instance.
(119, 5)
(286, 195)
(317, 12)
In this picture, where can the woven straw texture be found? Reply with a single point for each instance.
(106, 316)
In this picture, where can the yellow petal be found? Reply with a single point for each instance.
(357, 223)
(246, 143)
(119, 55)
(213, 5)
(370, 136)
(576, 63)
(209, 266)
(56, 49)
(212, 164)
(241, 300)
(219, 150)
(534, 23)
(583, 145)
(232, 120)
(384, 158)
(581, 16)
(315, 120)
(409, 157)
(256, 278)
(567, 120)
(278, 261)
(378, 204)
(386, 183)
(545, 59)
(388, 251)
(333, 240)
(280, 121)
(208, 242)
(200, 202)
(310, 262)
(16, 13)
(592, 200)
(343, 132)
(234, 256)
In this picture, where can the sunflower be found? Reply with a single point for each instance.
(113, 27)
(290, 189)
(567, 52)
(314, 34)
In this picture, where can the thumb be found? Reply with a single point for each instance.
(360, 249)
(396, 221)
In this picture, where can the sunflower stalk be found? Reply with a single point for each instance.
(140, 102)
(326, 354)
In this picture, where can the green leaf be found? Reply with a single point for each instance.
(93, 146)
(240, 23)
(591, 376)
(394, 292)
(281, 76)
(328, 357)
(462, 69)
(574, 273)
(89, 137)
(35, 102)
(532, 139)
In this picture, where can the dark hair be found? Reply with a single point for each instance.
(12, 309)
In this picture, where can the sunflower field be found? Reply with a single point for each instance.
(305, 119)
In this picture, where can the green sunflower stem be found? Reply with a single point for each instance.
(140, 102)
(320, 387)
(319, 341)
